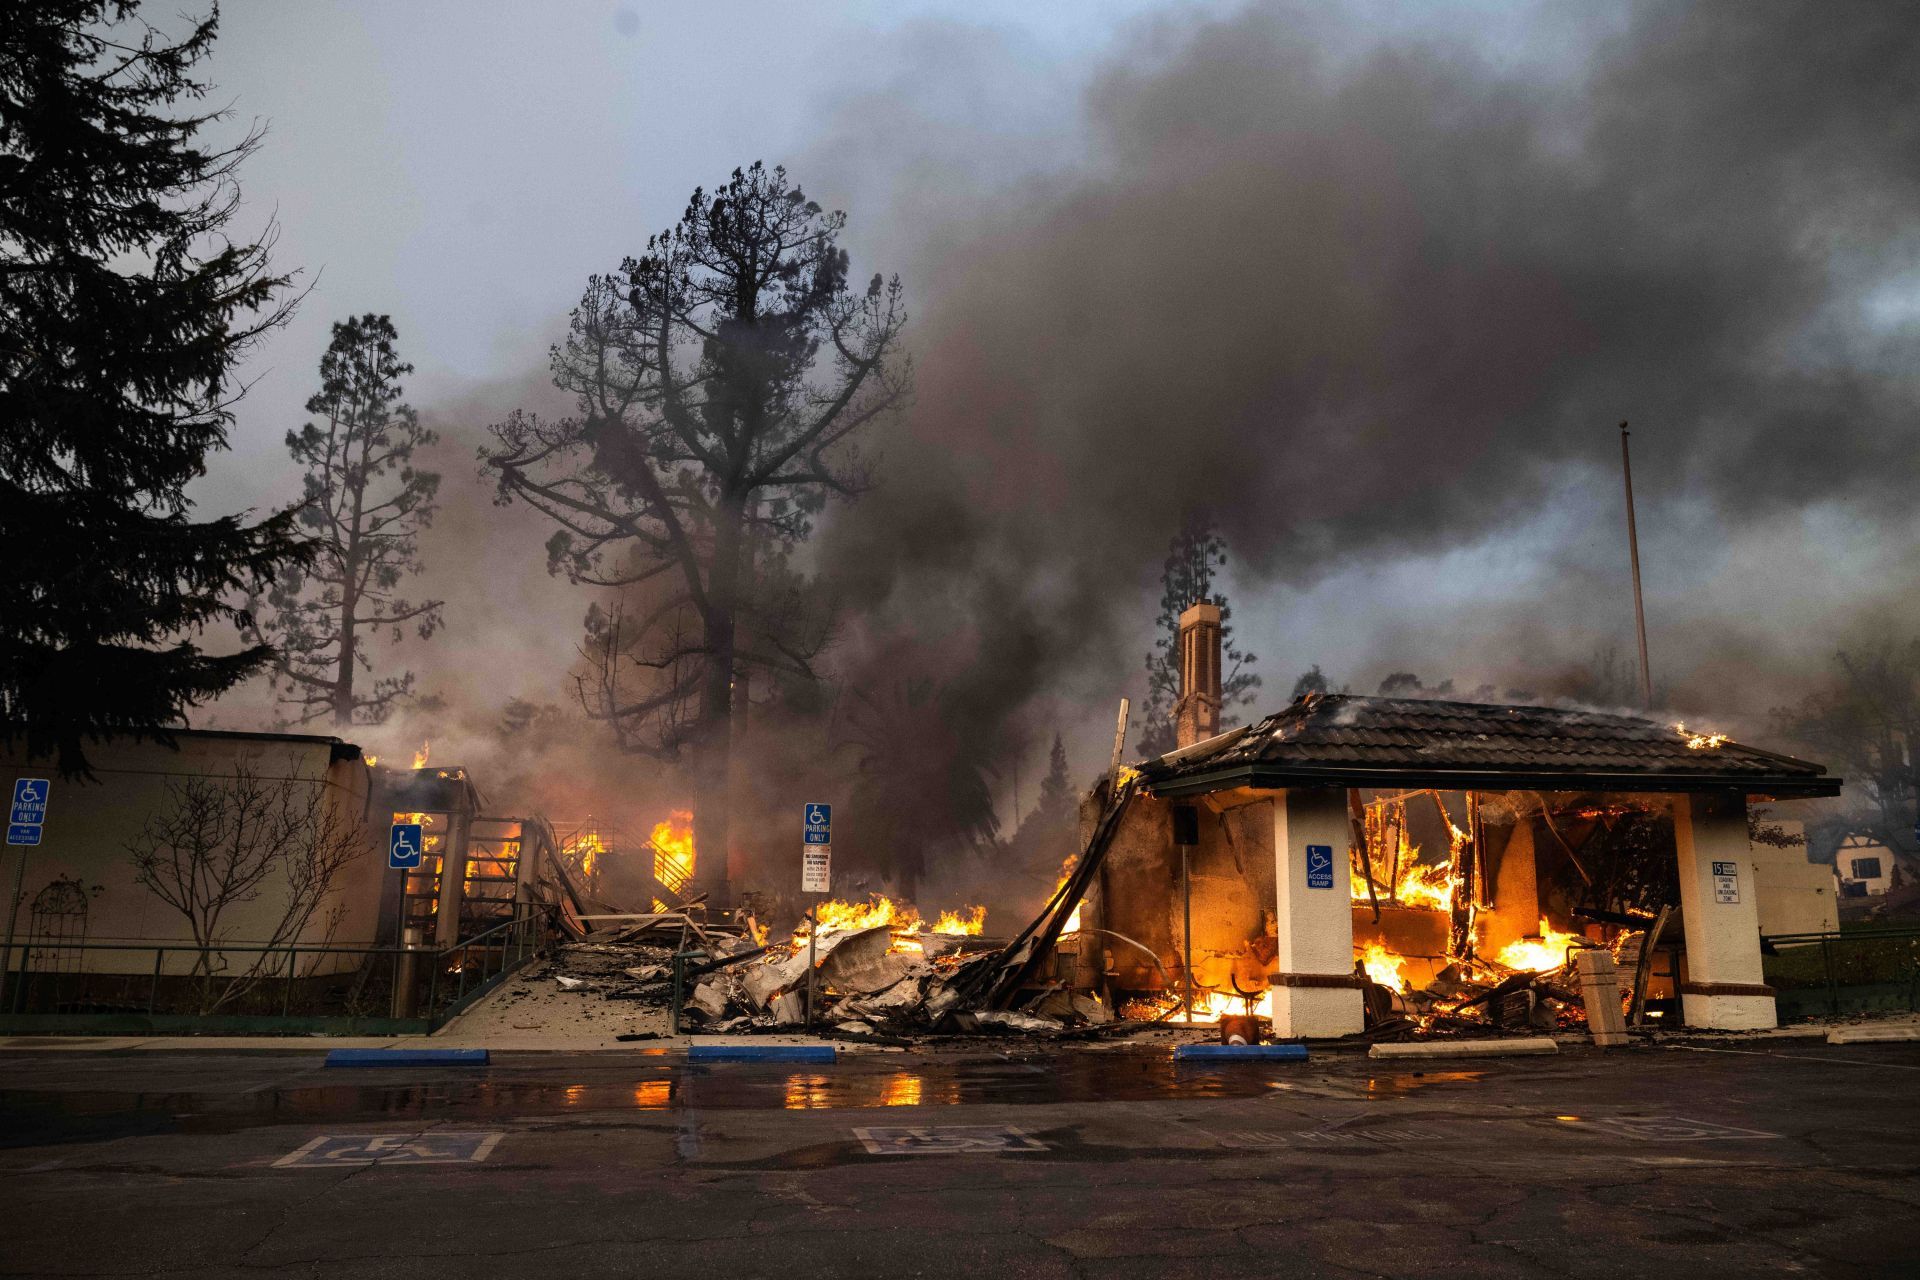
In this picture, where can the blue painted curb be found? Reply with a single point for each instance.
(407, 1057)
(1240, 1053)
(760, 1053)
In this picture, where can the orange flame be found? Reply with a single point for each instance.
(1419, 884)
(901, 919)
(1538, 955)
(1700, 741)
(953, 922)
(673, 857)
(871, 914)
(1209, 1006)
(1384, 967)
(420, 756)
(1066, 871)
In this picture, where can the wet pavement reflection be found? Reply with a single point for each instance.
(660, 1083)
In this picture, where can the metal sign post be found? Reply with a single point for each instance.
(1186, 834)
(816, 876)
(1186, 934)
(406, 842)
(813, 935)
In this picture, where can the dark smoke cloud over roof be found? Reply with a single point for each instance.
(1367, 299)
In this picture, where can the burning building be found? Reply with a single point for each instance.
(1354, 854)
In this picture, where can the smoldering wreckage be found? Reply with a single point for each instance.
(1509, 869)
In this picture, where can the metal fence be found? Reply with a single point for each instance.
(246, 987)
(1861, 970)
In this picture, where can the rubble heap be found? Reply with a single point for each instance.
(869, 981)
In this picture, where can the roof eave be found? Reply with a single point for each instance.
(1267, 775)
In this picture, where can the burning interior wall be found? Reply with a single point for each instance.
(1439, 911)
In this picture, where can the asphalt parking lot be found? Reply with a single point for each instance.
(1736, 1158)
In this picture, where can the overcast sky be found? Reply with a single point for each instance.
(463, 166)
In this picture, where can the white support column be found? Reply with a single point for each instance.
(1725, 987)
(1315, 993)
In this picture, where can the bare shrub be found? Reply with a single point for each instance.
(222, 842)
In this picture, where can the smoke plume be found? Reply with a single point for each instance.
(1368, 299)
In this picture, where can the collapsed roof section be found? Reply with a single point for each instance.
(1354, 741)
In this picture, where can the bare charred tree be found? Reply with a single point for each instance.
(366, 504)
(1196, 553)
(642, 656)
(222, 843)
(1867, 721)
(721, 380)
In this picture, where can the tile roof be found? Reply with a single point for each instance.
(1361, 741)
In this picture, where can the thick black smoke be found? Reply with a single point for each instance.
(1364, 298)
(1369, 303)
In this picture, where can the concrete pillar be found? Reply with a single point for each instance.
(453, 879)
(1725, 987)
(1315, 993)
(1515, 910)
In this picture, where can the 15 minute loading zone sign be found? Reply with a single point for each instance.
(816, 851)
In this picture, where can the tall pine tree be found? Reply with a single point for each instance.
(1056, 789)
(125, 304)
(366, 504)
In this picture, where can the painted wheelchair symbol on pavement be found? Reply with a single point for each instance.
(333, 1150)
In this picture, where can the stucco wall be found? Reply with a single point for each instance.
(1231, 870)
(1794, 895)
(90, 823)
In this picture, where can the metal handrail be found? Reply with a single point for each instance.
(1846, 935)
(1833, 955)
(515, 939)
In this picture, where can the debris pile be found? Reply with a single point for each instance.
(1531, 985)
(876, 970)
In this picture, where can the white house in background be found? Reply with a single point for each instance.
(1863, 868)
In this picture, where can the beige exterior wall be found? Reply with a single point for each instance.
(89, 825)
(1795, 896)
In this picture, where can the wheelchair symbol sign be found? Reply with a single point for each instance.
(1319, 866)
(29, 813)
(403, 846)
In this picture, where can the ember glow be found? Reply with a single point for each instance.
(1538, 955)
(673, 856)
(1700, 741)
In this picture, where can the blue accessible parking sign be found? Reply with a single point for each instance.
(29, 813)
(819, 824)
(404, 846)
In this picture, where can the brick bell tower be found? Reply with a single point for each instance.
(1196, 716)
